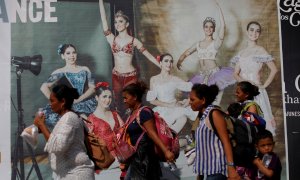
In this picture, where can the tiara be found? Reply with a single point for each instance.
(210, 19)
(102, 84)
(121, 13)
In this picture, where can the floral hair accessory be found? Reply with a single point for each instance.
(102, 84)
(59, 49)
(158, 58)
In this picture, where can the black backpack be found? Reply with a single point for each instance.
(242, 135)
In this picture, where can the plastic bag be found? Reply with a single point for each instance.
(30, 135)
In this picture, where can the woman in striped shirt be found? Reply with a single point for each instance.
(214, 158)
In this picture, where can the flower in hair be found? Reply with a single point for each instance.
(102, 84)
(59, 49)
(158, 58)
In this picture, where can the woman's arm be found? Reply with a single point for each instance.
(220, 38)
(46, 86)
(91, 88)
(164, 104)
(107, 32)
(152, 133)
(260, 166)
(221, 127)
(185, 54)
(236, 73)
(139, 45)
(273, 71)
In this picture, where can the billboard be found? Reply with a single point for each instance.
(39, 27)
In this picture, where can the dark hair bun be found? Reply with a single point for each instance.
(74, 93)
(214, 90)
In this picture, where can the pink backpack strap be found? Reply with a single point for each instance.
(138, 116)
(129, 121)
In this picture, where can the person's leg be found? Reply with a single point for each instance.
(178, 124)
(117, 91)
(200, 177)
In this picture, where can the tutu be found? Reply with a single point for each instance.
(221, 76)
(263, 100)
(171, 114)
(84, 107)
(80, 81)
(167, 93)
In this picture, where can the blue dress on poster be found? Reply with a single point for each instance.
(78, 80)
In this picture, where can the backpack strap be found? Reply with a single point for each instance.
(127, 123)
(85, 122)
(211, 121)
(138, 116)
(228, 120)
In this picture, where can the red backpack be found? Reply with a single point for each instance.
(167, 135)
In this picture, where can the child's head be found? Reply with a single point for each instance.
(264, 142)
(234, 109)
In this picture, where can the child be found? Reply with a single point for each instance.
(267, 163)
(234, 109)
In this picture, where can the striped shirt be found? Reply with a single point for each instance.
(210, 155)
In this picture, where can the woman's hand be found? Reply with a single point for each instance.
(232, 174)
(39, 121)
(257, 162)
(261, 86)
(170, 157)
(179, 62)
(76, 101)
(184, 103)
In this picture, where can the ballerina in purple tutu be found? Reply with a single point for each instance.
(207, 49)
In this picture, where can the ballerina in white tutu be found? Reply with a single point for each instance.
(162, 94)
(248, 64)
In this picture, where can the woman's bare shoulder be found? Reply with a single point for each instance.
(59, 70)
(261, 50)
(83, 68)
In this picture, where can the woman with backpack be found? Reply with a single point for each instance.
(65, 144)
(144, 164)
(245, 93)
(214, 157)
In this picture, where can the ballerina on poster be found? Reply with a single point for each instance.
(209, 72)
(122, 47)
(162, 94)
(248, 64)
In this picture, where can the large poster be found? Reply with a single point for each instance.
(209, 42)
(289, 15)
